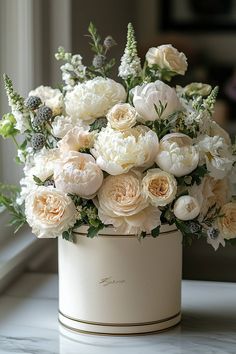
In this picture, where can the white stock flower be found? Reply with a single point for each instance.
(52, 98)
(121, 204)
(77, 173)
(167, 57)
(147, 96)
(216, 154)
(227, 221)
(76, 139)
(117, 152)
(122, 116)
(61, 125)
(49, 212)
(159, 187)
(177, 155)
(93, 98)
(186, 208)
(22, 121)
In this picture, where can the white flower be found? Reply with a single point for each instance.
(93, 99)
(216, 129)
(147, 96)
(122, 116)
(211, 192)
(52, 98)
(49, 212)
(177, 155)
(61, 125)
(216, 154)
(121, 204)
(76, 139)
(167, 57)
(77, 173)
(117, 152)
(186, 208)
(227, 221)
(22, 121)
(216, 240)
(159, 187)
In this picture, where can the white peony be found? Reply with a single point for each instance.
(122, 116)
(122, 205)
(215, 152)
(49, 212)
(177, 155)
(61, 125)
(92, 99)
(77, 173)
(52, 98)
(76, 139)
(227, 221)
(186, 208)
(159, 187)
(147, 96)
(167, 57)
(117, 152)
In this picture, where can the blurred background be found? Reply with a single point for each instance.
(32, 30)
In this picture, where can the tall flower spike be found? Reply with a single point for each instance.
(130, 66)
(16, 102)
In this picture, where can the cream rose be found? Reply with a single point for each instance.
(159, 187)
(52, 98)
(167, 57)
(227, 222)
(147, 96)
(186, 208)
(177, 155)
(77, 173)
(49, 212)
(117, 152)
(122, 116)
(76, 139)
(93, 98)
(122, 204)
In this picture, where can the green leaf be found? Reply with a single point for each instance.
(98, 124)
(38, 181)
(156, 232)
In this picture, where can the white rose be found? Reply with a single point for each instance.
(186, 208)
(77, 173)
(167, 57)
(147, 96)
(159, 187)
(216, 154)
(122, 116)
(92, 99)
(117, 152)
(121, 204)
(76, 139)
(227, 222)
(177, 155)
(52, 98)
(49, 212)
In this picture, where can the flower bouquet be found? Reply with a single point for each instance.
(130, 157)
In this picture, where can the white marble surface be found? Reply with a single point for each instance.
(28, 323)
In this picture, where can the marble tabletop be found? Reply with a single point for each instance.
(28, 323)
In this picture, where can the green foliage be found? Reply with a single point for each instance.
(160, 127)
(98, 124)
(194, 177)
(8, 196)
(156, 232)
(39, 182)
(7, 126)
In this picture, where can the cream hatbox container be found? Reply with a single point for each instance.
(116, 284)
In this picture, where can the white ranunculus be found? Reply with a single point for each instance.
(76, 139)
(215, 152)
(159, 187)
(147, 96)
(167, 57)
(122, 204)
(122, 116)
(177, 155)
(186, 208)
(117, 152)
(49, 212)
(77, 173)
(227, 221)
(52, 98)
(93, 98)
